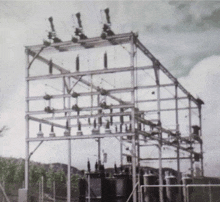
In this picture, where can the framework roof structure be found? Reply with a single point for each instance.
(141, 102)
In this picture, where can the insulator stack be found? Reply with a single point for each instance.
(88, 166)
(79, 132)
(105, 60)
(121, 128)
(116, 128)
(94, 123)
(67, 132)
(79, 126)
(122, 117)
(111, 117)
(126, 128)
(100, 118)
(40, 133)
(79, 20)
(107, 127)
(51, 66)
(107, 15)
(52, 134)
(77, 63)
(116, 169)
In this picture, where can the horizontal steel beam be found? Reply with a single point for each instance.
(82, 44)
(109, 92)
(75, 137)
(45, 122)
(89, 116)
(171, 109)
(162, 99)
(165, 158)
(81, 109)
(86, 73)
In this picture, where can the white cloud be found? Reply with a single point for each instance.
(203, 81)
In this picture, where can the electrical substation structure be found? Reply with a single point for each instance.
(149, 107)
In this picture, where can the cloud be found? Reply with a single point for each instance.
(203, 81)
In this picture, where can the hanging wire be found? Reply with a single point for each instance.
(53, 88)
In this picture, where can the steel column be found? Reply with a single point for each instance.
(160, 134)
(201, 144)
(69, 153)
(177, 132)
(27, 127)
(133, 120)
(190, 131)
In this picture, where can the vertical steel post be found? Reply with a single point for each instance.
(69, 155)
(121, 151)
(201, 143)
(133, 120)
(190, 131)
(69, 173)
(160, 138)
(99, 140)
(177, 132)
(27, 126)
(89, 188)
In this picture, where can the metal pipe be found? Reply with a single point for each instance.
(27, 128)
(162, 99)
(69, 154)
(190, 131)
(160, 133)
(87, 73)
(82, 109)
(201, 144)
(177, 132)
(69, 173)
(133, 119)
(121, 151)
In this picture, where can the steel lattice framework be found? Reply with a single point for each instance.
(132, 111)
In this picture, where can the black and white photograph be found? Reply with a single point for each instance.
(109, 101)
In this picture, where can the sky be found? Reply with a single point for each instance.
(183, 35)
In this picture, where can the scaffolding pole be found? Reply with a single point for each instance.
(190, 137)
(177, 132)
(27, 127)
(201, 143)
(133, 119)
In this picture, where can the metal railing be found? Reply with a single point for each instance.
(189, 192)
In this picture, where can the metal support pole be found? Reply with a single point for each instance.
(201, 144)
(99, 151)
(69, 173)
(99, 140)
(177, 132)
(27, 127)
(133, 121)
(89, 188)
(160, 135)
(190, 131)
(69, 156)
(121, 151)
